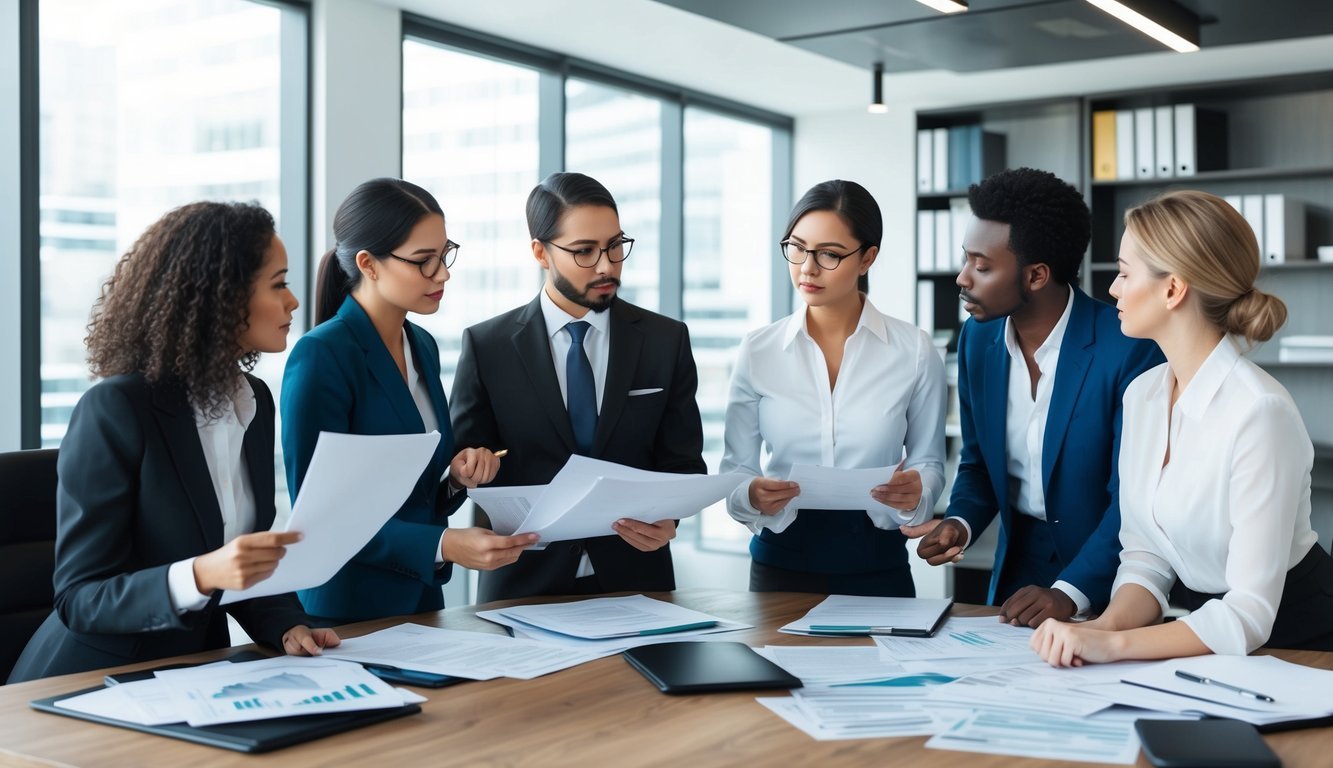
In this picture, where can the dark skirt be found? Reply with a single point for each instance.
(1305, 614)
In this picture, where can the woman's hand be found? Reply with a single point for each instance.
(473, 467)
(243, 562)
(301, 640)
(903, 491)
(482, 549)
(645, 537)
(1062, 644)
(769, 496)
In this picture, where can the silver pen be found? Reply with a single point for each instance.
(1228, 686)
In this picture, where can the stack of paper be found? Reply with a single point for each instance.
(472, 655)
(865, 712)
(588, 495)
(964, 645)
(605, 618)
(824, 665)
(854, 615)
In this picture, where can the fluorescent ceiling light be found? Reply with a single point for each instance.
(946, 6)
(1122, 10)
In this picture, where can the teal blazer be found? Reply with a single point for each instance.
(341, 378)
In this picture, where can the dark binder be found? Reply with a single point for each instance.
(706, 665)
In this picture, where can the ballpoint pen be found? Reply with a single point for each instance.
(1228, 686)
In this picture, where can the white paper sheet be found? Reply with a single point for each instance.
(1299, 692)
(507, 506)
(1108, 738)
(855, 615)
(1018, 688)
(354, 484)
(614, 644)
(611, 617)
(145, 702)
(833, 488)
(472, 655)
(964, 638)
(833, 665)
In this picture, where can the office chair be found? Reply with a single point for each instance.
(27, 548)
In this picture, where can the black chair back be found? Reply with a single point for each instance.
(27, 548)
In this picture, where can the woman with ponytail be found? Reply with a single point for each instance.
(365, 369)
(1214, 460)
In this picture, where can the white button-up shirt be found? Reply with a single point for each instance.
(890, 394)
(1230, 511)
(1025, 416)
(223, 442)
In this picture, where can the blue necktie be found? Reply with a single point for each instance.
(582, 391)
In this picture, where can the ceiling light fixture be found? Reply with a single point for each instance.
(1162, 20)
(946, 6)
(877, 105)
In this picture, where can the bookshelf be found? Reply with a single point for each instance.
(1277, 142)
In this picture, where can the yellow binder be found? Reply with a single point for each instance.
(1103, 145)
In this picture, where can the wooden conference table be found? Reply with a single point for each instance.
(597, 714)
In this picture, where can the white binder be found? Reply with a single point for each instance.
(943, 238)
(1124, 144)
(1165, 138)
(1284, 230)
(1144, 158)
(1252, 208)
(1185, 136)
(924, 164)
(925, 241)
(959, 212)
(925, 305)
(940, 158)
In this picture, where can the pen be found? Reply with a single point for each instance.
(503, 452)
(1209, 681)
(843, 629)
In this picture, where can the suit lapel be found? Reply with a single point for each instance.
(534, 352)
(1070, 373)
(995, 418)
(428, 366)
(175, 418)
(257, 447)
(623, 361)
(381, 365)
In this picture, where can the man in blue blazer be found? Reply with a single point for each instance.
(1040, 404)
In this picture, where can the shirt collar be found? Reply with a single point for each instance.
(1207, 380)
(1053, 339)
(871, 320)
(557, 318)
(240, 408)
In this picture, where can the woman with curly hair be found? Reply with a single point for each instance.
(166, 470)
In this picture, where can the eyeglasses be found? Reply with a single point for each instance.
(826, 259)
(430, 265)
(588, 256)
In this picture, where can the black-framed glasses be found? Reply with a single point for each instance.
(826, 259)
(430, 266)
(587, 256)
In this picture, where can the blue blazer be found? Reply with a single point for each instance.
(341, 378)
(1080, 450)
(135, 496)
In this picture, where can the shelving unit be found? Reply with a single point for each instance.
(1278, 142)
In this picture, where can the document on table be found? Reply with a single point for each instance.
(611, 644)
(823, 665)
(1107, 737)
(353, 485)
(588, 495)
(855, 615)
(1239, 683)
(864, 712)
(472, 655)
(965, 638)
(610, 617)
(833, 488)
(1018, 688)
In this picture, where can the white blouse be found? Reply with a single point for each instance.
(1230, 512)
(890, 394)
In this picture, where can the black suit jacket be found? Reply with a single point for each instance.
(135, 496)
(506, 395)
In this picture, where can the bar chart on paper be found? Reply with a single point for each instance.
(962, 638)
(348, 693)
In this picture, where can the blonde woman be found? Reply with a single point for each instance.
(1215, 460)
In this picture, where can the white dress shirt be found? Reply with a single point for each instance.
(1230, 511)
(596, 344)
(222, 441)
(890, 394)
(1025, 430)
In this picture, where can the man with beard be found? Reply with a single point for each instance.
(577, 370)
(1040, 403)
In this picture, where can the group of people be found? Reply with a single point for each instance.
(1132, 454)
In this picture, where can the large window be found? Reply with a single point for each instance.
(615, 136)
(470, 137)
(145, 106)
(729, 256)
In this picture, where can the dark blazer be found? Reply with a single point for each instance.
(135, 496)
(1081, 446)
(341, 378)
(506, 395)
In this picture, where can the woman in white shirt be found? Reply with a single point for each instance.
(836, 384)
(1214, 460)
(165, 492)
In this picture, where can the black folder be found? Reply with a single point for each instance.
(255, 736)
(706, 665)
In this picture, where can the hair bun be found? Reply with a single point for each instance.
(1256, 315)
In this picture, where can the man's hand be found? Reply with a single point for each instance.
(301, 640)
(1032, 605)
(473, 467)
(482, 549)
(942, 541)
(242, 562)
(645, 537)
